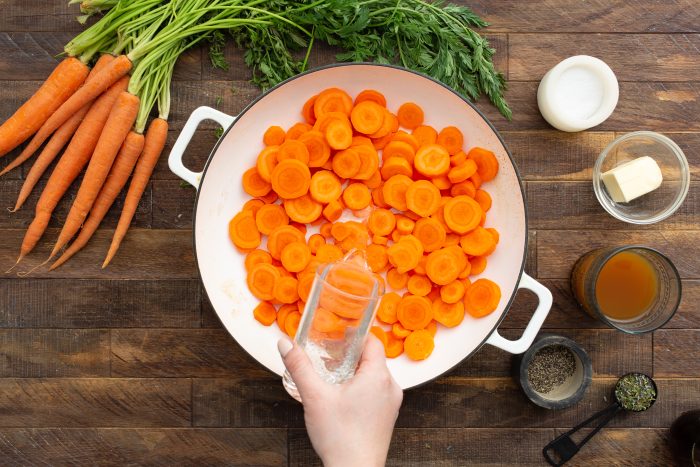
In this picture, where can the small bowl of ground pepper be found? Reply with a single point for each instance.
(554, 372)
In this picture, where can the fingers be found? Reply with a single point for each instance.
(300, 368)
(373, 356)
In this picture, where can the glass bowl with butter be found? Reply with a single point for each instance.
(641, 177)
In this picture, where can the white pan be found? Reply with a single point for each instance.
(220, 197)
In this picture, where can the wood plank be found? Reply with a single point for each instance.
(144, 254)
(612, 353)
(493, 447)
(39, 15)
(690, 144)
(173, 205)
(256, 398)
(633, 57)
(98, 402)
(9, 189)
(66, 303)
(509, 408)
(143, 446)
(36, 51)
(593, 16)
(566, 313)
(676, 353)
(189, 65)
(574, 204)
(38, 353)
(558, 250)
(198, 353)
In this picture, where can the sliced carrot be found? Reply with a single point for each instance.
(463, 188)
(315, 241)
(419, 345)
(265, 313)
(256, 257)
(274, 136)
(303, 209)
(432, 328)
(374, 181)
(442, 182)
(414, 312)
(328, 322)
(297, 130)
(269, 217)
(347, 163)
(425, 134)
(267, 160)
(484, 199)
(367, 117)
(380, 143)
(462, 172)
(378, 197)
(299, 226)
(458, 159)
(451, 138)
(358, 140)
(291, 179)
(285, 290)
(325, 187)
(394, 191)
(452, 239)
(253, 205)
(410, 115)
(322, 123)
(281, 237)
(317, 147)
(356, 196)
(466, 272)
(332, 100)
(381, 222)
(403, 255)
(295, 256)
(291, 324)
(452, 292)
(486, 162)
(432, 160)
(399, 331)
(399, 149)
(406, 138)
(369, 162)
(339, 134)
(448, 314)
(386, 312)
(420, 268)
(396, 280)
(476, 180)
(307, 111)
(430, 233)
(254, 184)
(243, 232)
(419, 285)
(478, 265)
(494, 233)
(462, 214)
(262, 279)
(404, 225)
(282, 314)
(329, 253)
(380, 334)
(396, 166)
(304, 283)
(482, 298)
(423, 198)
(393, 347)
(269, 198)
(371, 95)
(389, 125)
(478, 242)
(333, 211)
(379, 240)
(376, 257)
(293, 149)
(443, 266)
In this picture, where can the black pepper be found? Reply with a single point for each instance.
(550, 367)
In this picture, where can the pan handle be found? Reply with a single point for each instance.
(533, 327)
(183, 140)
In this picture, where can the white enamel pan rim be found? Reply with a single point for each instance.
(524, 281)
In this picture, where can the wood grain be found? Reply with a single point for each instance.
(39, 15)
(201, 145)
(558, 250)
(612, 353)
(143, 446)
(574, 204)
(466, 398)
(633, 57)
(53, 353)
(493, 447)
(676, 354)
(199, 353)
(144, 254)
(173, 205)
(95, 402)
(65, 303)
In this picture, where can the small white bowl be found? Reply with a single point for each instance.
(658, 204)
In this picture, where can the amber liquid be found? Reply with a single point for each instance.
(626, 286)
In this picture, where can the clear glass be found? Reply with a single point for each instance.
(660, 203)
(585, 275)
(337, 318)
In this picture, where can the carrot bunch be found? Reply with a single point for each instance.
(418, 207)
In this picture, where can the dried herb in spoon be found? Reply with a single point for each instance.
(635, 392)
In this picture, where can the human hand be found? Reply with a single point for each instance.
(350, 423)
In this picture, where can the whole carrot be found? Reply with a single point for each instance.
(69, 166)
(155, 142)
(118, 175)
(121, 119)
(109, 75)
(55, 144)
(62, 83)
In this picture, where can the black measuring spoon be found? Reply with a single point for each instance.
(565, 448)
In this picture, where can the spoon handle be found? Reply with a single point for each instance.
(565, 448)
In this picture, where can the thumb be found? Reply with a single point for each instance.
(300, 368)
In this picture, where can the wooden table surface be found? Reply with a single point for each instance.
(130, 365)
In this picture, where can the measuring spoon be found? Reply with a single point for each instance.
(565, 448)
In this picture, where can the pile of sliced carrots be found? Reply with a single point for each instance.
(420, 209)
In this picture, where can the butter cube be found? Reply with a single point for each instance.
(632, 179)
